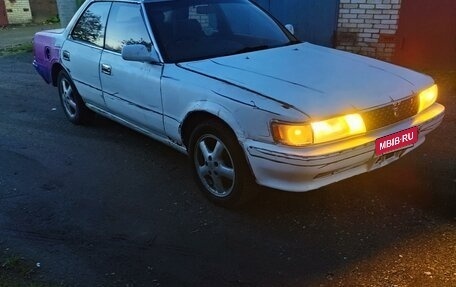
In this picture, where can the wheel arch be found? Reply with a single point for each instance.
(195, 117)
(56, 68)
(249, 190)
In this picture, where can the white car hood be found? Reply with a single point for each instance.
(316, 80)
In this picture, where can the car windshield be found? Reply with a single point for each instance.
(189, 30)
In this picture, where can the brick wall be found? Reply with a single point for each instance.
(368, 27)
(18, 11)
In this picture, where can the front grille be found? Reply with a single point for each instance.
(391, 114)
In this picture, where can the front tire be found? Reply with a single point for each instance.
(219, 165)
(72, 103)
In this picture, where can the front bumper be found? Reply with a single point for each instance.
(308, 168)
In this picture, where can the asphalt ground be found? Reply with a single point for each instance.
(102, 205)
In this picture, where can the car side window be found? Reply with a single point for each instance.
(126, 26)
(90, 27)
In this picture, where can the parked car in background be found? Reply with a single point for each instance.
(227, 84)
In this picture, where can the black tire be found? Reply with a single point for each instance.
(72, 103)
(219, 165)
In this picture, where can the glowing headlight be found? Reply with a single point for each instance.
(318, 132)
(296, 135)
(428, 97)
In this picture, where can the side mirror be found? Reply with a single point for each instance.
(139, 53)
(290, 28)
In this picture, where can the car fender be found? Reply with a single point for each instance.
(173, 127)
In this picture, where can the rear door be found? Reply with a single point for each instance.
(81, 52)
(131, 89)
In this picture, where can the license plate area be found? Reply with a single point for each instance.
(389, 144)
(389, 157)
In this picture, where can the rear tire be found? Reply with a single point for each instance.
(219, 165)
(72, 103)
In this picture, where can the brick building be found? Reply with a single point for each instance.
(368, 27)
(413, 33)
(15, 12)
(26, 11)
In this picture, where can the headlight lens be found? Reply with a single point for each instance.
(295, 135)
(318, 132)
(428, 97)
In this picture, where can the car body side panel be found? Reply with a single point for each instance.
(83, 67)
(46, 52)
(132, 91)
(248, 114)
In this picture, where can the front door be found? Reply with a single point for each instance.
(427, 34)
(131, 89)
(3, 17)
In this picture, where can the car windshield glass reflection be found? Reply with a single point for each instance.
(196, 29)
(126, 27)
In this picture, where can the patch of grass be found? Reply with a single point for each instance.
(16, 49)
(16, 271)
(17, 265)
(53, 20)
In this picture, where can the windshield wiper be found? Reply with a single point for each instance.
(251, 49)
(292, 42)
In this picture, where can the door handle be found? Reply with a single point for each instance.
(66, 55)
(106, 69)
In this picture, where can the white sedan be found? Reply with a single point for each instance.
(225, 83)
